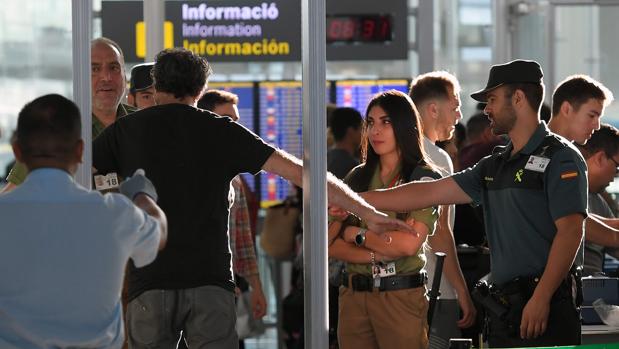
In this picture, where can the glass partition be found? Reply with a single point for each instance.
(36, 56)
(584, 42)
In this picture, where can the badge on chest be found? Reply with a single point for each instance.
(537, 163)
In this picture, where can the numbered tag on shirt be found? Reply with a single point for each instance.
(537, 163)
(384, 269)
(107, 182)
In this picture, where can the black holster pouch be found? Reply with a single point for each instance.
(499, 306)
(506, 303)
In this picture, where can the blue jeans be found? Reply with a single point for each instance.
(205, 314)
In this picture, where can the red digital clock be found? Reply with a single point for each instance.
(359, 28)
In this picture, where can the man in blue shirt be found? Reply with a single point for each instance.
(63, 248)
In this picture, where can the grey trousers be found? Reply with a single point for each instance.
(206, 315)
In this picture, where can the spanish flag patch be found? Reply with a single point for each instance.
(569, 174)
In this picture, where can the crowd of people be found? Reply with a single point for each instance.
(160, 260)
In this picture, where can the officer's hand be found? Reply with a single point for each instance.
(379, 222)
(534, 318)
(138, 183)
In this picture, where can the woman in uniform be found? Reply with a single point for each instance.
(382, 301)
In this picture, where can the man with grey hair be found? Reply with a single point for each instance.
(108, 89)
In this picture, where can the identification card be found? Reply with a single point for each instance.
(107, 182)
(537, 163)
(386, 269)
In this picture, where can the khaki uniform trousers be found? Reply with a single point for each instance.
(383, 320)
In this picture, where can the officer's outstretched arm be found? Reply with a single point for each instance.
(291, 168)
(417, 195)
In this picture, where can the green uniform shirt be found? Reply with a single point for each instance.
(522, 196)
(428, 216)
(19, 171)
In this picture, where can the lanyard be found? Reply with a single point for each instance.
(394, 181)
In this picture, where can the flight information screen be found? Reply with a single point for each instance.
(245, 91)
(357, 93)
(281, 125)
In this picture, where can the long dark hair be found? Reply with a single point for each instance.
(407, 131)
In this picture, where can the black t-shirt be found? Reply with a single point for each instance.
(190, 155)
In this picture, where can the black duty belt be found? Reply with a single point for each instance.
(359, 282)
(525, 286)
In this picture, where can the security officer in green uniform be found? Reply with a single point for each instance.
(534, 194)
(108, 89)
